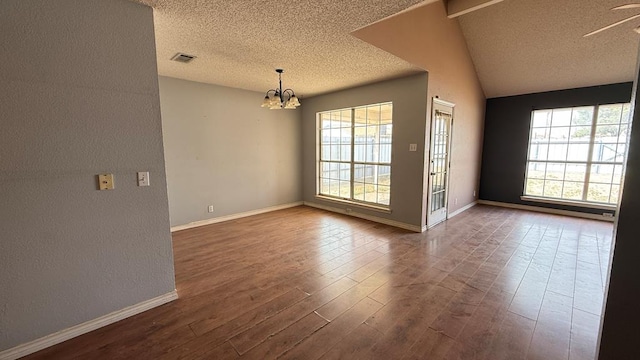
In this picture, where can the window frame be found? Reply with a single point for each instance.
(352, 162)
(588, 163)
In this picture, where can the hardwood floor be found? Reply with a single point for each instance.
(302, 283)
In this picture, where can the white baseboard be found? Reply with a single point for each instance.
(80, 329)
(234, 216)
(377, 219)
(461, 210)
(547, 210)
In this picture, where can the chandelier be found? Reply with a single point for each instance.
(278, 98)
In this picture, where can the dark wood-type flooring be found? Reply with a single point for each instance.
(303, 283)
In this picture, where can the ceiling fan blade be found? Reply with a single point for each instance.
(628, 6)
(612, 25)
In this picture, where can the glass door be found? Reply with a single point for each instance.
(439, 161)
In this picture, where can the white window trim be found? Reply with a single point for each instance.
(357, 203)
(367, 206)
(583, 204)
(588, 163)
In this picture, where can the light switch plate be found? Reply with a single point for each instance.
(143, 178)
(105, 182)
(413, 147)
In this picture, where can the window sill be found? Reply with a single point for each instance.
(568, 203)
(355, 203)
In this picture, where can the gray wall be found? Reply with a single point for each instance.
(620, 332)
(409, 97)
(79, 95)
(223, 149)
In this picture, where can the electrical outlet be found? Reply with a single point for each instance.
(474, 193)
(210, 208)
(105, 182)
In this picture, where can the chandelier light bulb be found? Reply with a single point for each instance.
(294, 101)
(266, 102)
(289, 104)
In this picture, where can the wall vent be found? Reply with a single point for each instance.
(183, 58)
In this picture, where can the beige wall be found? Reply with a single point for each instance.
(223, 149)
(79, 97)
(427, 38)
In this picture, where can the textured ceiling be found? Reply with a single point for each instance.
(518, 46)
(525, 46)
(239, 43)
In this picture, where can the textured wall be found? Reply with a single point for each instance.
(223, 149)
(427, 38)
(79, 95)
(408, 95)
(620, 333)
(506, 138)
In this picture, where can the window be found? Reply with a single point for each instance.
(578, 153)
(355, 154)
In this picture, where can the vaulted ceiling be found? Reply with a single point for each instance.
(517, 46)
(526, 46)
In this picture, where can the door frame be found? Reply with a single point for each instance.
(446, 107)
